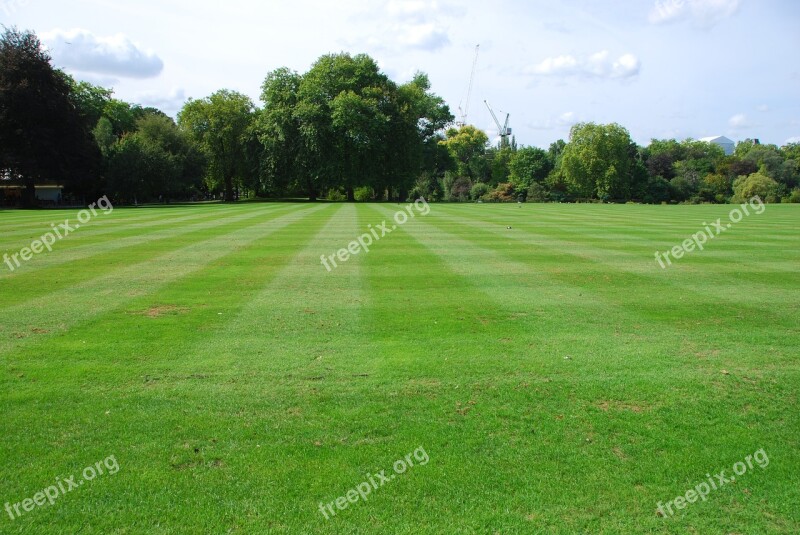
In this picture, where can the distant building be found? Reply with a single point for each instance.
(726, 144)
(46, 193)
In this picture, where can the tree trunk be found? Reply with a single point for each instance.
(29, 194)
(228, 189)
(351, 194)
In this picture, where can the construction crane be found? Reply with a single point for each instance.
(504, 130)
(464, 112)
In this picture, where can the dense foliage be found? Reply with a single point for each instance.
(342, 131)
(43, 133)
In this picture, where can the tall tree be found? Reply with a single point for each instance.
(139, 169)
(123, 116)
(90, 100)
(157, 161)
(278, 130)
(42, 133)
(415, 134)
(529, 165)
(345, 124)
(600, 161)
(468, 146)
(188, 163)
(343, 112)
(499, 159)
(104, 135)
(220, 124)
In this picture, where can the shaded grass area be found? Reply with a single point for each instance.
(559, 380)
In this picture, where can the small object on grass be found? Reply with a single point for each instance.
(509, 228)
(725, 372)
(568, 357)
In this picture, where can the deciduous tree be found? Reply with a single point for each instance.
(220, 124)
(42, 134)
(599, 161)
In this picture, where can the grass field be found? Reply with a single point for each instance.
(555, 377)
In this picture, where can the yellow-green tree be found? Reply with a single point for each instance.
(600, 161)
(467, 145)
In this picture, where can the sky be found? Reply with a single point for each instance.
(661, 68)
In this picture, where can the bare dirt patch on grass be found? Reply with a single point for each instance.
(162, 310)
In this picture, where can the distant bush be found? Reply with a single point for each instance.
(335, 195)
(657, 191)
(426, 187)
(537, 193)
(503, 193)
(460, 189)
(363, 194)
(479, 190)
(757, 184)
(793, 197)
(446, 185)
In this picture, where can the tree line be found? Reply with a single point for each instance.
(341, 131)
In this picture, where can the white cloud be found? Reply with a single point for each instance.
(399, 25)
(423, 36)
(763, 108)
(170, 103)
(97, 79)
(115, 55)
(599, 65)
(739, 121)
(795, 139)
(561, 122)
(560, 65)
(704, 13)
(420, 11)
(567, 119)
(414, 9)
(668, 11)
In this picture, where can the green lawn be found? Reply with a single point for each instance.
(557, 379)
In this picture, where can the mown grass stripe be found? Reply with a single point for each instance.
(27, 285)
(643, 273)
(98, 233)
(102, 225)
(56, 312)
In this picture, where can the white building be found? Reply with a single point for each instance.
(726, 144)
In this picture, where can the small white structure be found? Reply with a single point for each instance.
(727, 145)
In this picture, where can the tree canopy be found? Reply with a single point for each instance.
(220, 124)
(342, 130)
(43, 135)
(344, 124)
